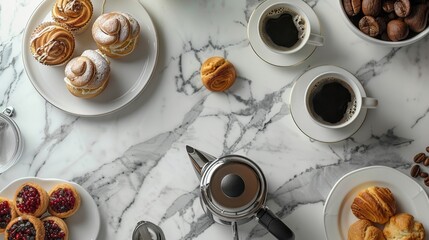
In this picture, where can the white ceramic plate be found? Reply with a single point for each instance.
(128, 77)
(304, 121)
(264, 52)
(409, 195)
(84, 224)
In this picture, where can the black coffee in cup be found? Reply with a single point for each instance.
(283, 28)
(332, 101)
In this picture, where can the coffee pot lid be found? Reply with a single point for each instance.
(11, 143)
(233, 187)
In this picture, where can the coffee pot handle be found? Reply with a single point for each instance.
(274, 225)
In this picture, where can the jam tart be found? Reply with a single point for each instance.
(7, 213)
(31, 199)
(55, 228)
(64, 200)
(25, 227)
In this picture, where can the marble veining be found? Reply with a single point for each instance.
(134, 163)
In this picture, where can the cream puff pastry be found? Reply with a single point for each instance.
(31, 199)
(64, 200)
(7, 213)
(116, 33)
(87, 76)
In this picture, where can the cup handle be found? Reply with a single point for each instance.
(368, 102)
(316, 39)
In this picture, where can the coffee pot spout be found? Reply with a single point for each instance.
(198, 159)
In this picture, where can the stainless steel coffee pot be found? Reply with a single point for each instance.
(234, 191)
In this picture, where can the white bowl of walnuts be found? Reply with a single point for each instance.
(391, 23)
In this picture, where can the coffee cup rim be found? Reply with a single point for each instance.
(358, 95)
(299, 11)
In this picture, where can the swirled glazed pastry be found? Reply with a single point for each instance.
(7, 212)
(55, 228)
(52, 44)
(31, 199)
(64, 200)
(25, 227)
(116, 33)
(375, 204)
(75, 14)
(217, 74)
(87, 75)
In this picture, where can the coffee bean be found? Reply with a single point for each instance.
(427, 181)
(415, 171)
(426, 162)
(427, 149)
(424, 175)
(420, 157)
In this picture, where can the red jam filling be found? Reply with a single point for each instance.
(22, 230)
(28, 199)
(62, 200)
(53, 231)
(5, 214)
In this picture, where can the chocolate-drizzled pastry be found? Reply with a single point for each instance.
(75, 14)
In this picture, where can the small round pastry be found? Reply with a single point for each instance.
(87, 75)
(64, 200)
(52, 44)
(25, 227)
(116, 33)
(217, 74)
(375, 204)
(403, 227)
(7, 213)
(75, 14)
(364, 230)
(55, 228)
(31, 199)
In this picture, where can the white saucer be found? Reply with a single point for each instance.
(303, 119)
(266, 53)
(409, 195)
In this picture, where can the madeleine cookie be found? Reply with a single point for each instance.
(52, 44)
(7, 213)
(403, 227)
(375, 204)
(64, 200)
(116, 33)
(75, 14)
(25, 227)
(87, 76)
(217, 74)
(55, 228)
(31, 199)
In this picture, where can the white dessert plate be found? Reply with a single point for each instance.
(84, 224)
(304, 121)
(409, 195)
(128, 76)
(264, 52)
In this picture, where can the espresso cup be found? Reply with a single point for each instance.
(334, 100)
(285, 28)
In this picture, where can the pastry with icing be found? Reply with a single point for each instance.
(116, 33)
(87, 76)
(31, 199)
(64, 200)
(75, 14)
(7, 213)
(55, 228)
(52, 44)
(25, 227)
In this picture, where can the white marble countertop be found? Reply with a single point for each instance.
(133, 162)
